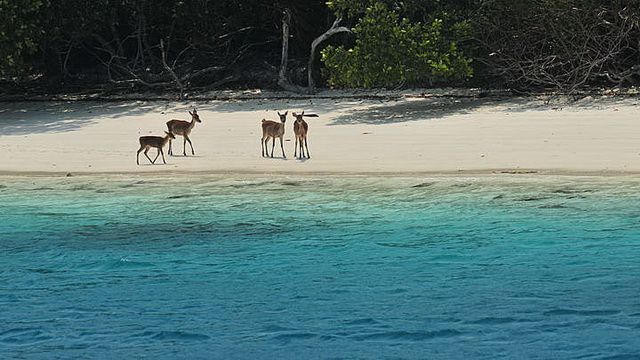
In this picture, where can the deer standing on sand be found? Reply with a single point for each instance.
(183, 128)
(300, 128)
(273, 129)
(158, 142)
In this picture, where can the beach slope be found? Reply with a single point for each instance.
(407, 134)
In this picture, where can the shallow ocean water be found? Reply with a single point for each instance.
(318, 267)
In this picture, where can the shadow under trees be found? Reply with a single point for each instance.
(126, 46)
(565, 46)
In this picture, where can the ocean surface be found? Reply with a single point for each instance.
(320, 267)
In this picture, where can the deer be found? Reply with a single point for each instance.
(273, 129)
(158, 142)
(183, 128)
(300, 129)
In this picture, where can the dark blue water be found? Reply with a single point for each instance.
(207, 267)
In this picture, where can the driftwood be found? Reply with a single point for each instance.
(619, 78)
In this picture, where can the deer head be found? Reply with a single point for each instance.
(195, 116)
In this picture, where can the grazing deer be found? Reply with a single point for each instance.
(158, 142)
(273, 129)
(300, 128)
(183, 128)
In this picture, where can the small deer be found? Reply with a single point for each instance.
(183, 128)
(273, 129)
(301, 129)
(158, 142)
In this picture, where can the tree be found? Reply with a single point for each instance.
(534, 45)
(156, 44)
(390, 50)
(19, 32)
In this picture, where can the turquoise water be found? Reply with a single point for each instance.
(208, 267)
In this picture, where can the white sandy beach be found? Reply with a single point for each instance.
(410, 134)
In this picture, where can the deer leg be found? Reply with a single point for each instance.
(265, 149)
(306, 144)
(295, 147)
(146, 150)
(265, 146)
(161, 153)
(273, 145)
(138, 155)
(156, 158)
(186, 138)
(281, 147)
(170, 152)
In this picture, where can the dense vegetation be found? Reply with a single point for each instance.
(127, 45)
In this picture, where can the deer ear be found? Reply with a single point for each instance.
(294, 114)
(302, 113)
(190, 113)
(286, 112)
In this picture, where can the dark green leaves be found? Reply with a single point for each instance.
(391, 50)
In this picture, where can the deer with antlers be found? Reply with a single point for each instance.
(300, 129)
(273, 129)
(183, 128)
(158, 142)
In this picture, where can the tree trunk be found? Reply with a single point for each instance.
(334, 29)
(283, 81)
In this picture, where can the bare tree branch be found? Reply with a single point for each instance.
(170, 71)
(565, 47)
(334, 29)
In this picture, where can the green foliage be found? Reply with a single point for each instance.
(390, 50)
(348, 8)
(522, 44)
(19, 32)
(414, 10)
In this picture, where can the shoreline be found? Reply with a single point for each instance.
(188, 175)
